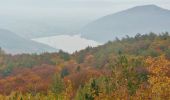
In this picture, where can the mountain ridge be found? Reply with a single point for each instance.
(12, 43)
(140, 19)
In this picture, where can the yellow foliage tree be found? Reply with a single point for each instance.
(158, 87)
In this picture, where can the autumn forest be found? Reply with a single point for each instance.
(131, 68)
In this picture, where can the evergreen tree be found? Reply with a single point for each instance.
(57, 85)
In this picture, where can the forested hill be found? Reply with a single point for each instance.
(132, 68)
(141, 45)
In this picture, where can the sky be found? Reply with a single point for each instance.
(72, 8)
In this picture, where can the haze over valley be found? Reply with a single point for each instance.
(97, 23)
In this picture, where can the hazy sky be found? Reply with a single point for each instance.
(72, 8)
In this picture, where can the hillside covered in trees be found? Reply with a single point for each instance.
(131, 68)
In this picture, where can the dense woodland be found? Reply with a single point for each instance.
(131, 68)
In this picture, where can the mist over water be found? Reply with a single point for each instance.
(67, 43)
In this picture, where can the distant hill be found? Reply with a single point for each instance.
(141, 45)
(140, 19)
(12, 43)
